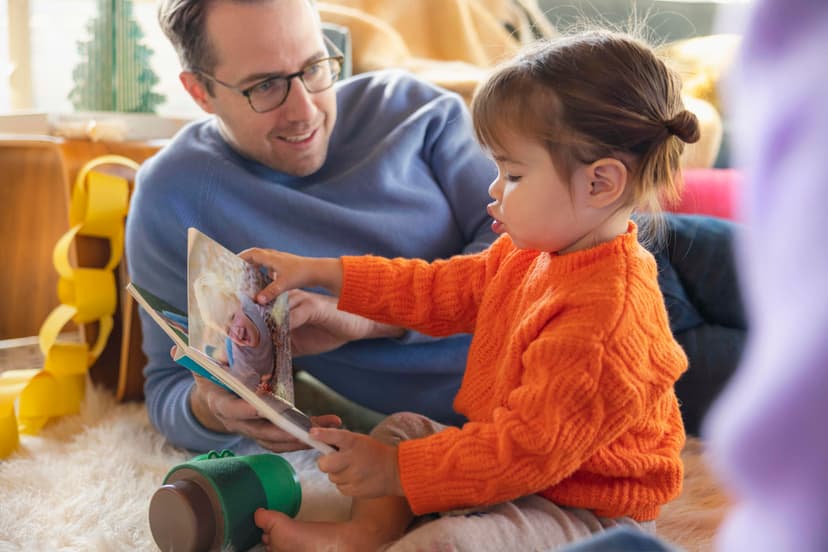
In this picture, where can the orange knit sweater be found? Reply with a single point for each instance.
(568, 387)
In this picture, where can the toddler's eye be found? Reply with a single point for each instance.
(513, 178)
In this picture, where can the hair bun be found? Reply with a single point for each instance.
(685, 125)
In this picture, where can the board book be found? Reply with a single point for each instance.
(230, 339)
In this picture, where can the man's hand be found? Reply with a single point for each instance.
(219, 410)
(363, 467)
(317, 326)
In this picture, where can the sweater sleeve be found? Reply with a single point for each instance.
(438, 299)
(156, 248)
(550, 425)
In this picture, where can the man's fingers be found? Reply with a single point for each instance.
(222, 403)
(269, 293)
(283, 446)
(327, 420)
(230, 407)
(266, 434)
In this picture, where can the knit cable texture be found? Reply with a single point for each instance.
(569, 381)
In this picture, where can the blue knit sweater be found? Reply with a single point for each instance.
(403, 177)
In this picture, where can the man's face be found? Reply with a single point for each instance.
(254, 41)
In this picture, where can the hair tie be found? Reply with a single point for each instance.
(672, 124)
(684, 125)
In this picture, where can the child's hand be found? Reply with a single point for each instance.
(363, 467)
(292, 271)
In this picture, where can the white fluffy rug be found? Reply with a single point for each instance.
(86, 481)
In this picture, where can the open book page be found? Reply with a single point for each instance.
(174, 323)
(276, 409)
(169, 318)
(227, 325)
(228, 338)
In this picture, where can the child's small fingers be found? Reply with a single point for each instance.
(254, 255)
(333, 463)
(339, 438)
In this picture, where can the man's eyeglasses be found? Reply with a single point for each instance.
(267, 95)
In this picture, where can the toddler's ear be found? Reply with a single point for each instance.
(607, 180)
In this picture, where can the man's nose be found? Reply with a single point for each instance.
(299, 104)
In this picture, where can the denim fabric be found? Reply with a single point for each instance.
(620, 539)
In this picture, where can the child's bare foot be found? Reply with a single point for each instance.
(284, 533)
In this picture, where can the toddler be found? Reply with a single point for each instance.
(573, 422)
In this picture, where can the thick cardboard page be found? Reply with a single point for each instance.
(216, 353)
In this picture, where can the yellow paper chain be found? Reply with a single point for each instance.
(99, 204)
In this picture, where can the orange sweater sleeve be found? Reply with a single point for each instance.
(439, 298)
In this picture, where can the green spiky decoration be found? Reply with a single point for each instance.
(114, 73)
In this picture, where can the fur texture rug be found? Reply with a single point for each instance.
(86, 481)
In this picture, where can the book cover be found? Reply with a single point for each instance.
(229, 338)
(174, 324)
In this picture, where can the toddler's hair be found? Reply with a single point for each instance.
(589, 96)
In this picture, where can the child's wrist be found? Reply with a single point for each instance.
(399, 491)
(329, 274)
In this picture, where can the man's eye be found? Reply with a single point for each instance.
(264, 87)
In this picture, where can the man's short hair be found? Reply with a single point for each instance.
(184, 23)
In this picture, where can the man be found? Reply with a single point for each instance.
(380, 163)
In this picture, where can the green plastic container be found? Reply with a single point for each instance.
(208, 502)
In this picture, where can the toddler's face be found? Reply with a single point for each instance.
(242, 331)
(533, 204)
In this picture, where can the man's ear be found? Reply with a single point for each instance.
(607, 181)
(195, 88)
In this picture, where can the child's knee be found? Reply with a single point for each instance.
(403, 426)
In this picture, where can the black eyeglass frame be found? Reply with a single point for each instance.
(247, 91)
